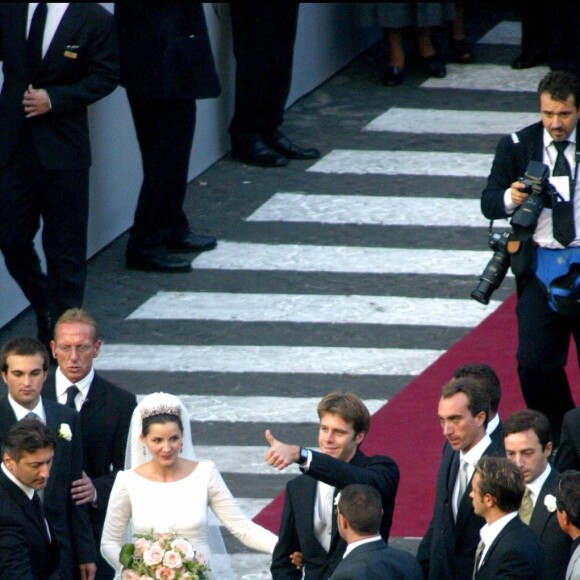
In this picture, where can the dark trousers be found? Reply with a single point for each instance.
(28, 192)
(544, 339)
(263, 36)
(165, 131)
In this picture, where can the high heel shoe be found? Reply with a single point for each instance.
(434, 65)
(393, 76)
(461, 51)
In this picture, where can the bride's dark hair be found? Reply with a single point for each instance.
(162, 418)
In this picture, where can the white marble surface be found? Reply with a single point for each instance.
(507, 32)
(243, 459)
(305, 258)
(372, 210)
(367, 162)
(233, 408)
(264, 359)
(450, 122)
(252, 566)
(489, 77)
(311, 308)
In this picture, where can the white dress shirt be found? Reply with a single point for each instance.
(62, 384)
(358, 543)
(543, 234)
(490, 532)
(55, 12)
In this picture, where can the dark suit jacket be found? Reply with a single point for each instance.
(568, 455)
(448, 548)
(509, 164)
(377, 561)
(164, 50)
(78, 69)
(26, 551)
(555, 542)
(69, 524)
(105, 418)
(296, 526)
(515, 553)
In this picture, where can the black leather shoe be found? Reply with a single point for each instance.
(157, 263)
(434, 66)
(258, 153)
(193, 242)
(527, 60)
(393, 76)
(284, 146)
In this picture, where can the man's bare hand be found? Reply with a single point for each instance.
(297, 558)
(83, 491)
(36, 102)
(518, 196)
(88, 571)
(280, 455)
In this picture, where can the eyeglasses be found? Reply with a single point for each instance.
(81, 349)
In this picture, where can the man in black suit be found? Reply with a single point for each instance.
(568, 455)
(359, 513)
(489, 381)
(264, 34)
(308, 525)
(24, 362)
(544, 334)
(26, 546)
(105, 411)
(166, 64)
(527, 444)
(508, 548)
(67, 63)
(448, 547)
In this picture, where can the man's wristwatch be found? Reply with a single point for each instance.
(303, 457)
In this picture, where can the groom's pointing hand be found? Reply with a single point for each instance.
(280, 455)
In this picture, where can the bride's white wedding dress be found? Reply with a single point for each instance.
(177, 506)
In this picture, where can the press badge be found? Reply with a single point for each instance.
(562, 185)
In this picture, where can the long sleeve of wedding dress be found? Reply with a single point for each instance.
(180, 507)
(227, 511)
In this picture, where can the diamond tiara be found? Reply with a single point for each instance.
(160, 404)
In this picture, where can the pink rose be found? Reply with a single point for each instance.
(154, 555)
(129, 575)
(172, 559)
(184, 547)
(163, 573)
(141, 545)
(146, 578)
(201, 559)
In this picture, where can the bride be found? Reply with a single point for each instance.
(164, 490)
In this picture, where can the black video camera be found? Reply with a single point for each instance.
(537, 185)
(496, 269)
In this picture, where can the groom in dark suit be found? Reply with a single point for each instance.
(358, 515)
(105, 411)
(24, 362)
(26, 546)
(57, 60)
(308, 525)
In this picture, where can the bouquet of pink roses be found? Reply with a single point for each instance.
(161, 557)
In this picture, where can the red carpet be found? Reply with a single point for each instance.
(407, 428)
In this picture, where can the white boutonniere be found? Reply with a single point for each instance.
(337, 499)
(64, 432)
(550, 503)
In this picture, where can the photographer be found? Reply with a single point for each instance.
(544, 333)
